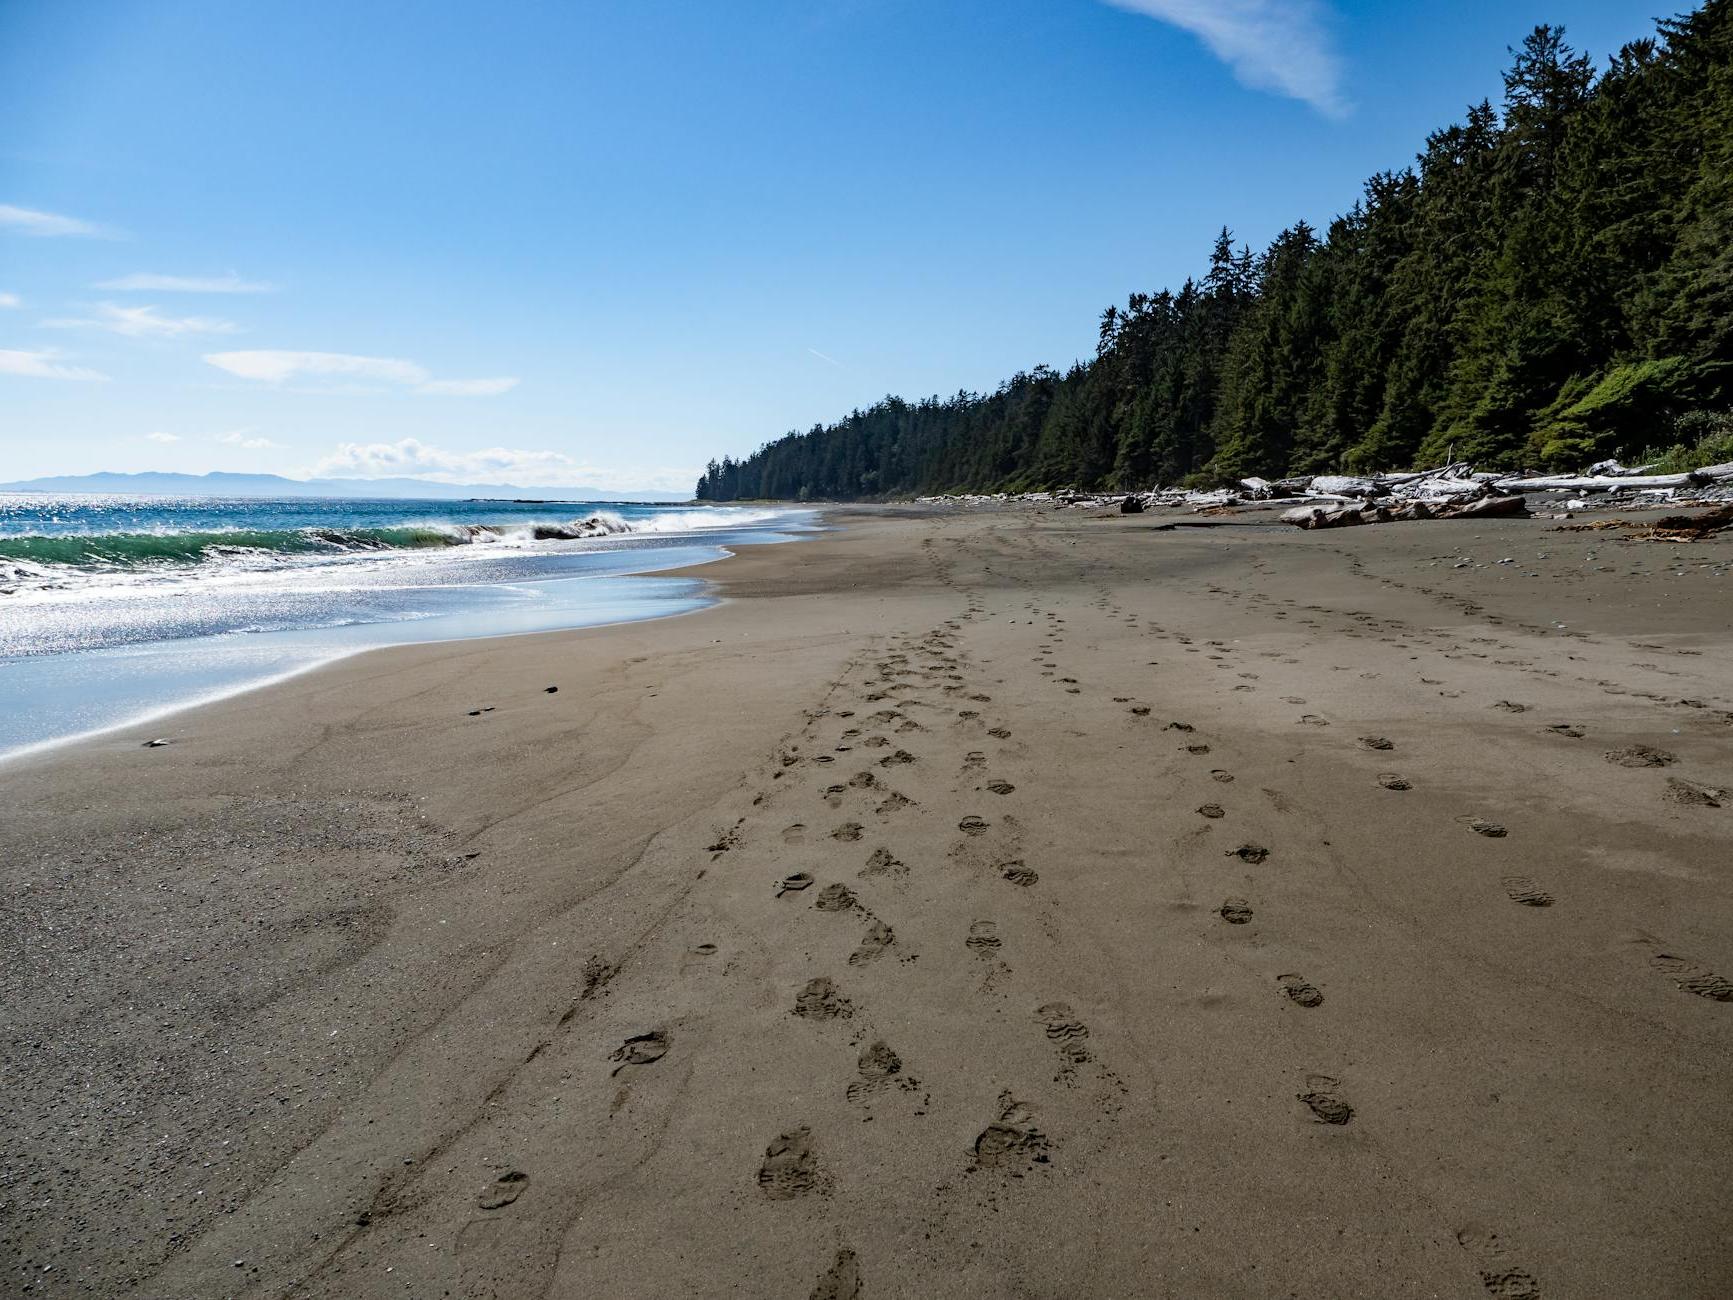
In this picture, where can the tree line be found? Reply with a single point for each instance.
(1551, 281)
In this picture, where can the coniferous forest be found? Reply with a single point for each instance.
(1549, 283)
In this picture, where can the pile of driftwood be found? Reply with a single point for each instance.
(1455, 491)
(1458, 492)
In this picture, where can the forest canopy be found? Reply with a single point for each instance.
(1550, 282)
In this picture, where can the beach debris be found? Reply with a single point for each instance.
(792, 883)
(550, 690)
(158, 743)
(1453, 491)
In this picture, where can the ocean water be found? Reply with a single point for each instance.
(115, 609)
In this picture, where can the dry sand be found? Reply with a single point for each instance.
(1130, 965)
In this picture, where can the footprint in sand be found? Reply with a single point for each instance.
(1481, 826)
(1321, 1099)
(1689, 975)
(848, 831)
(1236, 911)
(882, 863)
(1197, 749)
(983, 938)
(1300, 990)
(1376, 742)
(1212, 810)
(504, 1190)
(1011, 1142)
(1391, 781)
(878, 937)
(819, 1000)
(999, 733)
(836, 897)
(973, 825)
(1640, 756)
(793, 883)
(1523, 890)
(893, 802)
(790, 1169)
(1000, 787)
(1250, 853)
(898, 759)
(1018, 874)
(1690, 794)
(842, 1281)
(645, 1049)
(1217, 774)
(1565, 729)
(877, 1067)
(794, 834)
(1498, 1273)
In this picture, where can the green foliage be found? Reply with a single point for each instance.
(1629, 401)
(1551, 280)
(1701, 438)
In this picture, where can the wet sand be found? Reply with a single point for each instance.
(1223, 911)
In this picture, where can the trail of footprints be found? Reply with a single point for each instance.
(917, 685)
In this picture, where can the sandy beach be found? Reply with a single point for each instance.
(984, 904)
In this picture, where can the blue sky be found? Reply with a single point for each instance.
(600, 242)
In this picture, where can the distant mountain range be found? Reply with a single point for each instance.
(275, 485)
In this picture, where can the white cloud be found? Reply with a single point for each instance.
(150, 282)
(1277, 45)
(410, 457)
(10, 300)
(162, 437)
(28, 221)
(144, 323)
(275, 367)
(239, 438)
(45, 364)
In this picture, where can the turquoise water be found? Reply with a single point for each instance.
(114, 610)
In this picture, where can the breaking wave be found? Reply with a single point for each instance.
(33, 559)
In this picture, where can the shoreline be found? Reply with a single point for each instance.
(1122, 969)
(333, 653)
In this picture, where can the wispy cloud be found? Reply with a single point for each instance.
(240, 438)
(28, 221)
(9, 300)
(162, 437)
(150, 282)
(1282, 46)
(44, 364)
(410, 457)
(277, 367)
(144, 322)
